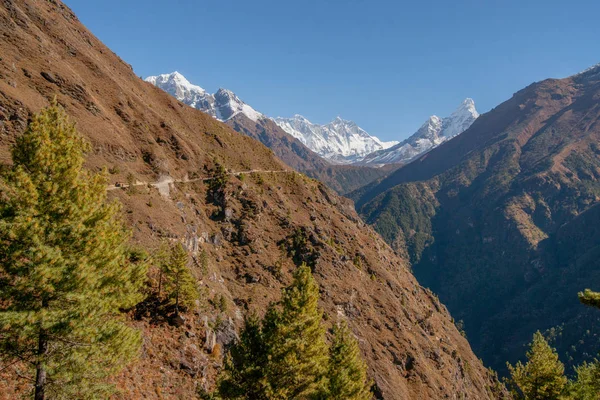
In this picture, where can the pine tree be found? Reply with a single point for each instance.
(587, 385)
(590, 298)
(297, 352)
(542, 377)
(245, 366)
(179, 283)
(347, 370)
(64, 276)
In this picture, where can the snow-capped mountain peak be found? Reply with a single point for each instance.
(589, 73)
(223, 105)
(431, 134)
(340, 140)
(229, 105)
(179, 87)
(461, 119)
(176, 79)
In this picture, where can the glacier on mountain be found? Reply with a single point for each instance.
(431, 134)
(340, 140)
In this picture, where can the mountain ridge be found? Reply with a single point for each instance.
(140, 133)
(340, 141)
(483, 218)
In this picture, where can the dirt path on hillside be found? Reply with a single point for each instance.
(163, 182)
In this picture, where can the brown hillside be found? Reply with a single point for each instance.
(269, 222)
(484, 218)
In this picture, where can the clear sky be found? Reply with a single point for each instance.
(387, 65)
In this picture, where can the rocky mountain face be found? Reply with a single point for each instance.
(340, 141)
(501, 221)
(225, 106)
(270, 219)
(432, 133)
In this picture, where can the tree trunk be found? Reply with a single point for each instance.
(40, 370)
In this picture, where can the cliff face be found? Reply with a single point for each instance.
(269, 220)
(485, 216)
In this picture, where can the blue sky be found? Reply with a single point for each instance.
(387, 65)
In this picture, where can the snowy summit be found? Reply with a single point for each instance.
(431, 134)
(340, 140)
(223, 105)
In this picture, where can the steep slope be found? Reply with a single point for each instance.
(245, 245)
(432, 133)
(484, 218)
(227, 107)
(340, 140)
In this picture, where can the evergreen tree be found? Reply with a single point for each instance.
(64, 274)
(347, 370)
(217, 185)
(542, 377)
(590, 298)
(587, 385)
(179, 283)
(245, 366)
(297, 352)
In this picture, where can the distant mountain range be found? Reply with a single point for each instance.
(225, 106)
(340, 141)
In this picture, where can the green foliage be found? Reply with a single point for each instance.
(203, 261)
(258, 178)
(131, 188)
(217, 183)
(300, 247)
(285, 357)
(542, 377)
(220, 303)
(244, 373)
(64, 270)
(347, 370)
(590, 298)
(402, 216)
(297, 349)
(587, 384)
(178, 282)
(357, 261)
